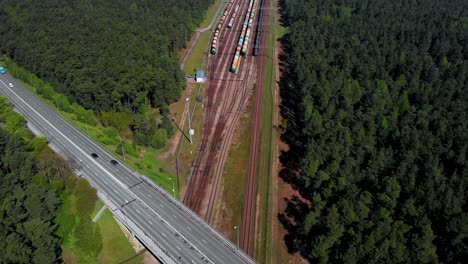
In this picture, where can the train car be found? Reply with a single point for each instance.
(245, 45)
(235, 63)
(258, 38)
(245, 35)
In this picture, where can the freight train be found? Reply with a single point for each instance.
(258, 38)
(244, 36)
(214, 41)
(231, 22)
(249, 29)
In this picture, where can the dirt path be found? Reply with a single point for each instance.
(174, 142)
(150, 259)
(280, 192)
(197, 35)
(276, 166)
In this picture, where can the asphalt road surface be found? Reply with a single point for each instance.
(167, 227)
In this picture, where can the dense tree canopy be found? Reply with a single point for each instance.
(375, 101)
(105, 55)
(27, 207)
(43, 207)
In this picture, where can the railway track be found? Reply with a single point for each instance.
(227, 95)
(219, 167)
(247, 228)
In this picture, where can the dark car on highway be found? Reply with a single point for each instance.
(94, 155)
(114, 162)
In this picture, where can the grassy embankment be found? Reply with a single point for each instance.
(229, 209)
(100, 242)
(188, 151)
(82, 241)
(206, 21)
(264, 251)
(142, 160)
(195, 60)
(115, 246)
(211, 12)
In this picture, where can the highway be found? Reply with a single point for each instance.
(169, 229)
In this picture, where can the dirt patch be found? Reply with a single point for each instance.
(285, 192)
(280, 190)
(150, 259)
(137, 246)
(182, 106)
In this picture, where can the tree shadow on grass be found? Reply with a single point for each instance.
(297, 207)
(292, 219)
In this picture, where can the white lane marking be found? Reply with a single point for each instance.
(92, 160)
(188, 227)
(150, 222)
(68, 139)
(149, 195)
(137, 211)
(164, 234)
(161, 205)
(174, 216)
(177, 247)
(204, 241)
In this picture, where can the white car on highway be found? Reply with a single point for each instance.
(10, 84)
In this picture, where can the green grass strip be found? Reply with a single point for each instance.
(263, 249)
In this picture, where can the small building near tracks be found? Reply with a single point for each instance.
(200, 76)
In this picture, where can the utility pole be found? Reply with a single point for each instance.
(123, 150)
(189, 120)
(86, 123)
(237, 231)
(56, 103)
(173, 187)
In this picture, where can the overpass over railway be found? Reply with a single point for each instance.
(169, 229)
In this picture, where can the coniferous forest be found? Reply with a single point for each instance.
(30, 180)
(45, 210)
(375, 102)
(102, 54)
(27, 207)
(105, 55)
(116, 58)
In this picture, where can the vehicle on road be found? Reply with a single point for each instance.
(10, 84)
(2, 70)
(94, 155)
(114, 162)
